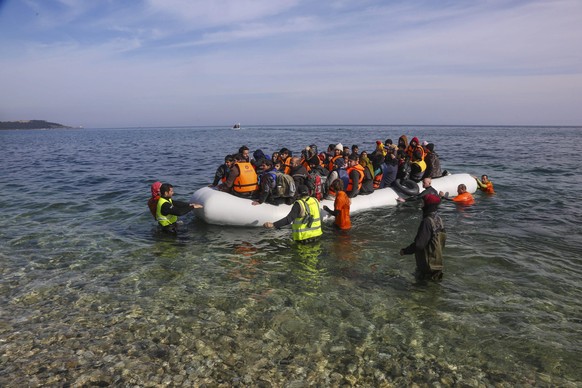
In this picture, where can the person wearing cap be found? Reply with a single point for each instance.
(433, 163)
(304, 216)
(168, 210)
(429, 241)
(338, 149)
(153, 201)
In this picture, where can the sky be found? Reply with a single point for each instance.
(154, 63)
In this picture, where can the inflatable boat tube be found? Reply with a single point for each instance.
(221, 208)
(407, 186)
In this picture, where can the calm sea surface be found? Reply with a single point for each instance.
(92, 294)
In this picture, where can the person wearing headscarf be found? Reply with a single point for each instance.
(368, 182)
(153, 201)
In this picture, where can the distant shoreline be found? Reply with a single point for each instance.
(30, 124)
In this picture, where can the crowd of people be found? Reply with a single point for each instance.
(339, 172)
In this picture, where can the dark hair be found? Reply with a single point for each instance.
(238, 157)
(164, 188)
(242, 149)
(228, 158)
(337, 185)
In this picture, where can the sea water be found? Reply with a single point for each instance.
(92, 294)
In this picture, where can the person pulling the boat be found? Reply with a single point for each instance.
(304, 216)
(463, 197)
(485, 185)
(429, 242)
(168, 210)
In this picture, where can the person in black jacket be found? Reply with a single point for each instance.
(429, 242)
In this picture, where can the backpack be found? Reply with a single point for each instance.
(285, 185)
(315, 185)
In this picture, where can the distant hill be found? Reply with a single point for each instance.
(30, 124)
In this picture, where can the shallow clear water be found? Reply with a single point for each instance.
(91, 293)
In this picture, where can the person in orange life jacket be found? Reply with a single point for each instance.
(356, 176)
(298, 172)
(427, 189)
(306, 154)
(433, 163)
(463, 197)
(418, 166)
(485, 185)
(222, 171)
(242, 180)
(338, 172)
(429, 241)
(285, 159)
(153, 201)
(337, 154)
(341, 206)
(368, 180)
(244, 151)
(168, 210)
(413, 146)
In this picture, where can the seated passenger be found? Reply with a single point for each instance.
(463, 196)
(242, 180)
(368, 181)
(273, 187)
(433, 164)
(418, 166)
(222, 171)
(356, 176)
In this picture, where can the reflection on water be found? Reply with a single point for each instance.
(93, 294)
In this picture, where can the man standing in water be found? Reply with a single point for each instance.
(304, 215)
(168, 210)
(429, 242)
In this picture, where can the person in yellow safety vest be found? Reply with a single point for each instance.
(356, 174)
(304, 216)
(168, 210)
(242, 180)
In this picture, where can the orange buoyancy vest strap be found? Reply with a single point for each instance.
(246, 181)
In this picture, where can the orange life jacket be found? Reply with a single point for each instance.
(465, 198)
(377, 180)
(360, 169)
(331, 163)
(246, 181)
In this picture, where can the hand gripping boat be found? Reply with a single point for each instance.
(221, 208)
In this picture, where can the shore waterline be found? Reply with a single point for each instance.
(92, 294)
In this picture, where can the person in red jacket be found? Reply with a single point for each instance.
(153, 201)
(341, 206)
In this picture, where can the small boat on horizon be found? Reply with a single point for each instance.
(236, 126)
